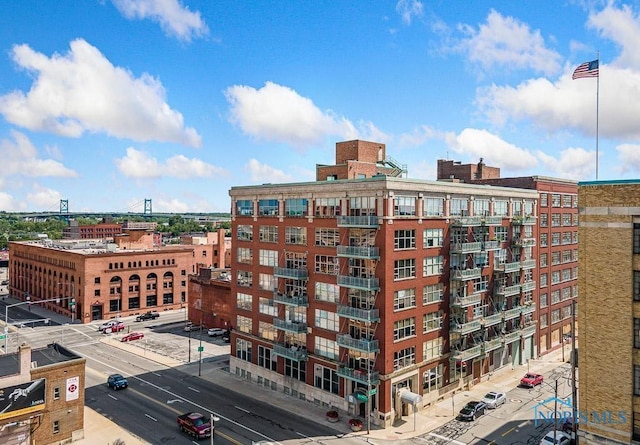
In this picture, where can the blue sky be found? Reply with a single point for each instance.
(107, 103)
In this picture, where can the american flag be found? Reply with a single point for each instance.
(587, 69)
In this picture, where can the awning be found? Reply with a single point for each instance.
(409, 397)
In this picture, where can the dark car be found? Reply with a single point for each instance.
(226, 337)
(152, 315)
(117, 381)
(472, 411)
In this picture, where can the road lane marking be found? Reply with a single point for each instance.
(526, 422)
(448, 439)
(193, 389)
(508, 431)
(150, 417)
(112, 396)
(242, 409)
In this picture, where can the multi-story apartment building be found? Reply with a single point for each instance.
(609, 312)
(556, 249)
(380, 294)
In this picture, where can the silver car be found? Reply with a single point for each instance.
(494, 399)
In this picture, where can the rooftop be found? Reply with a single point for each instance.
(610, 182)
(50, 355)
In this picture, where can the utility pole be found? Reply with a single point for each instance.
(574, 359)
(555, 415)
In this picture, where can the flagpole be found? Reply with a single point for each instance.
(597, 112)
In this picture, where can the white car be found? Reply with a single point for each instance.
(561, 438)
(107, 325)
(216, 332)
(494, 399)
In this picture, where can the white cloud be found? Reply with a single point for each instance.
(629, 155)
(622, 26)
(139, 164)
(82, 91)
(42, 197)
(424, 170)
(507, 43)
(9, 204)
(573, 163)
(278, 113)
(20, 157)
(408, 9)
(171, 205)
(495, 151)
(418, 136)
(174, 18)
(263, 173)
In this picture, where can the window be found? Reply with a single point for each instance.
(244, 233)
(244, 207)
(566, 219)
(403, 299)
(636, 426)
(266, 282)
(636, 380)
(327, 320)
(326, 379)
(404, 269)
(433, 206)
(56, 426)
(245, 279)
(543, 239)
(543, 199)
(566, 275)
(501, 233)
(134, 303)
(636, 238)
(555, 258)
(267, 306)
(544, 320)
(459, 206)
(432, 293)
(244, 301)
(480, 284)
(566, 237)
(543, 260)
(327, 264)
(268, 207)
(575, 219)
(404, 206)
(268, 257)
(481, 207)
(56, 393)
(555, 200)
(433, 238)
(404, 357)
(243, 349)
(362, 206)
(543, 280)
(244, 324)
(566, 200)
(295, 370)
(544, 220)
(501, 208)
(404, 328)
(327, 207)
(555, 220)
(636, 333)
(295, 235)
(543, 301)
(245, 255)
(269, 234)
(404, 239)
(432, 265)
(432, 321)
(96, 280)
(575, 237)
(96, 292)
(555, 239)
(636, 285)
(327, 292)
(326, 348)
(327, 237)
(267, 331)
(432, 349)
(555, 316)
(295, 207)
(566, 312)
(555, 297)
(432, 379)
(267, 359)
(566, 256)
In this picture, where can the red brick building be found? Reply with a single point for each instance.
(210, 301)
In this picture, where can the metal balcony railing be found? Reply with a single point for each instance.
(469, 300)
(368, 221)
(491, 245)
(529, 264)
(523, 220)
(492, 220)
(507, 291)
(465, 328)
(296, 353)
(493, 319)
(294, 274)
(357, 375)
(507, 267)
(358, 282)
(364, 252)
(492, 345)
(528, 308)
(512, 336)
(465, 274)
(297, 300)
(467, 221)
(297, 327)
(358, 344)
(354, 313)
(528, 331)
(473, 247)
(467, 354)
(512, 313)
(528, 286)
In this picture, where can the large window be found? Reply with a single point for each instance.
(432, 379)
(327, 320)
(432, 293)
(296, 207)
(404, 357)
(404, 268)
(459, 206)
(555, 200)
(404, 239)
(481, 207)
(327, 237)
(432, 265)
(327, 264)
(404, 328)
(267, 281)
(269, 234)
(267, 331)
(636, 285)
(245, 255)
(404, 206)
(295, 235)
(636, 238)
(245, 233)
(432, 321)
(326, 348)
(432, 349)
(327, 292)
(404, 299)
(268, 257)
(243, 324)
(432, 238)
(433, 206)
(243, 349)
(267, 306)
(244, 301)
(295, 370)
(244, 207)
(268, 207)
(500, 208)
(326, 379)
(267, 359)
(327, 207)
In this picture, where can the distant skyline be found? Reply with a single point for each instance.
(108, 102)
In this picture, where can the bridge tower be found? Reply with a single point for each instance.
(64, 210)
(147, 207)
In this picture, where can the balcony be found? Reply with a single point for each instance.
(466, 301)
(528, 331)
(467, 354)
(465, 274)
(467, 221)
(296, 327)
(360, 376)
(465, 328)
(296, 353)
(354, 313)
(297, 301)
(363, 252)
(512, 336)
(358, 344)
(491, 245)
(492, 345)
(367, 222)
(523, 220)
(507, 291)
(294, 274)
(512, 313)
(528, 308)
(507, 267)
(528, 286)
(523, 242)
(358, 283)
(492, 220)
(528, 264)
(473, 247)
(492, 319)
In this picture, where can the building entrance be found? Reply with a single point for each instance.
(96, 312)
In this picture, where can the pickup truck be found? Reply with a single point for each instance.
(196, 425)
(147, 316)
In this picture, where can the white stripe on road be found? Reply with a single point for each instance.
(193, 389)
(152, 418)
(448, 439)
(113, 397)
(526, 422)
(242, 409)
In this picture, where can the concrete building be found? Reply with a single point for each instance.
(43, 400)
(379, 294)
(609, 311)
(556, 249)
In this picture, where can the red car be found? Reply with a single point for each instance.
(115, 327)
(132, 336)
(530, 380)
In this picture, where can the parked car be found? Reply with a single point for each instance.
(530, 380)
(117, 381)
(151, 315)
(226, 337)
(494, 399)
(191, 328)
(472, 411)
(106, 325)
(556, 438)
(132, 336)
(115, 327)
(216, 332)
